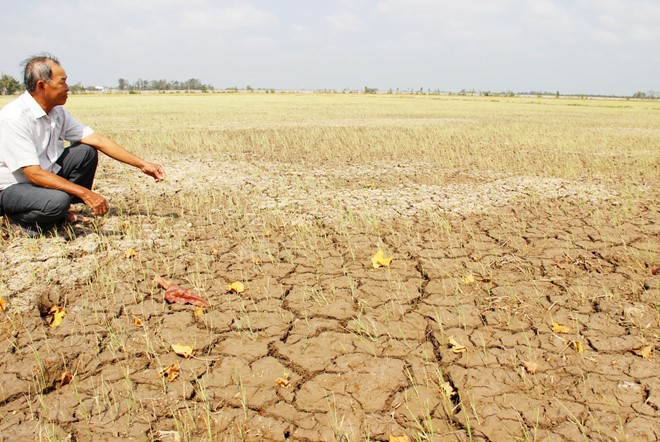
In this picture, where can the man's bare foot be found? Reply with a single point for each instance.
(75, 218)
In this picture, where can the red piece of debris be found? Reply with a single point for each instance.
(176, 294)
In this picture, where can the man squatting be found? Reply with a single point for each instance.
(39, 177)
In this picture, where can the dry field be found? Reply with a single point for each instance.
(521, 301)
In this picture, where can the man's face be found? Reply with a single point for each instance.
(56, 91)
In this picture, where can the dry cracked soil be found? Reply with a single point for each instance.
(454, 340)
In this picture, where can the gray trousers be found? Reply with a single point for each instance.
(33, 206)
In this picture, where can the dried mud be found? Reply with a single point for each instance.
(363, 352)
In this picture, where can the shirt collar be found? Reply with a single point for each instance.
(32, 104)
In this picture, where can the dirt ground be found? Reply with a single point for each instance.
(454, 340)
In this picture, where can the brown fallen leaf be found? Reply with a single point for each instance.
(645, 351)
(530, 366)
(65, 379)
(557, 328)
(401, 438)
(137, 321)
(172, 372)
(236, 287)
(3, 304)
(455, 346)
(58, 314)
(176, 294)
(183, 350)
(283, 382)
(379, 260)
(214, 251)
(655, 271)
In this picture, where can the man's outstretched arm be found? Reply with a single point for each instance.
(115, 151)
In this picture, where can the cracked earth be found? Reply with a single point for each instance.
(361, 353)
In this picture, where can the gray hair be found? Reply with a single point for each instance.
(37, 68)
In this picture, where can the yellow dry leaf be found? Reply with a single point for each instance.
(199, 311)
(183, 350)
(236, 287)
(469, 279)
(402, 438)
(130, 253)
(530, 366)
(557, 328)
(172, 372)
(575, 345)
(3, 304)
(58, 314)
(448, 389)
(455, 346)
(283, 382)
(645, 351)
(379, 260)
(137, 321)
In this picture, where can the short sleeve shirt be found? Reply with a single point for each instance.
(30, 137)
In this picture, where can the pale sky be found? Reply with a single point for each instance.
(609, 47)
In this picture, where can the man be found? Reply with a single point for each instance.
(39, 177)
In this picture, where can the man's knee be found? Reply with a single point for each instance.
(85, 153)
(78, 164)
(52, 207)
(89, 150)
(57, 204)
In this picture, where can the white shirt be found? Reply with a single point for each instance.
(30, 137)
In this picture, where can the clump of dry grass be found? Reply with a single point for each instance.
(560, 138)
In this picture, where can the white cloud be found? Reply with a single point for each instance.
(161, 7)
(546, 10)
(237, 17)
(440, 11)
(345, 21)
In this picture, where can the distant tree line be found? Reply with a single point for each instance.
(163, 85)
(645, 95)
(9, 86)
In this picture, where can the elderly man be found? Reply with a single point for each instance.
(39, 177)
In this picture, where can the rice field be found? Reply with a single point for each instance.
(520, 302)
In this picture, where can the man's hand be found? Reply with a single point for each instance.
(96, 202)
(153, 170)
